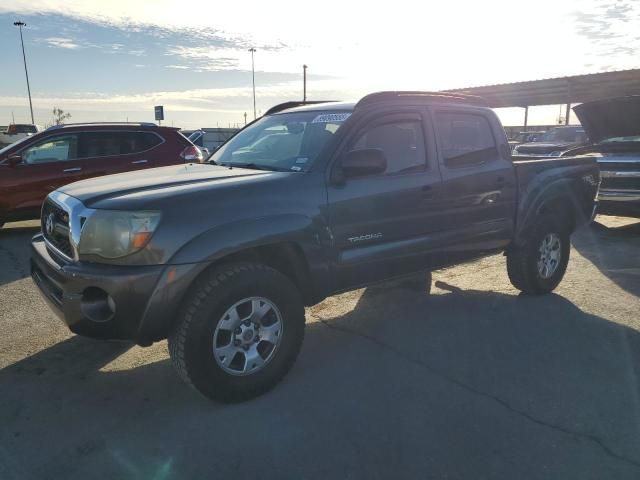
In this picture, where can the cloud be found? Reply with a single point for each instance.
(610, 28)
(61, 42)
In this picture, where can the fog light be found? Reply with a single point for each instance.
(97, 305)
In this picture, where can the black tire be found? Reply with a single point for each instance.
(522, 261)
(191, 340)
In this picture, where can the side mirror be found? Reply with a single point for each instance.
(359, 163)
(13, 160)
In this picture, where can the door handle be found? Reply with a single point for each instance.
(500, 181)
(71, 170)
(138, 162)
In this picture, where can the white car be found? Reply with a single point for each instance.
(17, 131)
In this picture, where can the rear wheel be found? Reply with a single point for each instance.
(239, 332)
(538, 266)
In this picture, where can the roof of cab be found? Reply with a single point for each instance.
(405, 97)
(312, 107)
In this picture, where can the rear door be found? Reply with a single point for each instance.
(478, 179)
(115, 151)
(46, 165)
(382, 223)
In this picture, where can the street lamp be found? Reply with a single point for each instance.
(253, 77)
(304, 83)
(24, 58)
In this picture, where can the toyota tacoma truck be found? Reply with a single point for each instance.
(301, 204)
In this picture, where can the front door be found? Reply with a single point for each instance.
(382, 224)
(46, 166)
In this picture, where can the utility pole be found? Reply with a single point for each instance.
(253, 77)
(20, 24)
(245, 118)
(304, 83)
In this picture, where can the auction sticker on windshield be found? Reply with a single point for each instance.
(331, 117)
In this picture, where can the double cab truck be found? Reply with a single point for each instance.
(301, 204)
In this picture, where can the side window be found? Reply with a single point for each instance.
(402, 143)
(143, 141)
(53, 149)
(105, 144)
(466, 139)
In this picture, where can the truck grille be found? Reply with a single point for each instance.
(55, 228)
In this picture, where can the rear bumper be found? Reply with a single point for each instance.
(134, 303)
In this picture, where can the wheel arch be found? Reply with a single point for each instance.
(559, 198)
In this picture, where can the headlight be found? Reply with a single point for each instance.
(114, 234)
(557, 153)
(514, 151)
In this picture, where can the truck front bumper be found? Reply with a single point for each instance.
(619, 202)
(134, 303)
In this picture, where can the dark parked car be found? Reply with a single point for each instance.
(38, 164)
(614, 127)
(525, 137)
(395, 184)
(553, 142)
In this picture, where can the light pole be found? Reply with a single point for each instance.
(24, 58)
(253, 77)
(304, 83)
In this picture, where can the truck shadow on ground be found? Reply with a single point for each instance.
(463, 384)
(614, 251)
(14, 248)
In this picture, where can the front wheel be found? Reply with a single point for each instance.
(239, 332)
(538, 266)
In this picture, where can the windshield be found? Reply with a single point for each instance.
(285, 142)
(571, 135)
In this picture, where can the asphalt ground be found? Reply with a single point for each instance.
(473, 381)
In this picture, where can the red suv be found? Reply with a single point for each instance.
(37, 165)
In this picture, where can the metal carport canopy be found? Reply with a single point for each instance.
(562, 90)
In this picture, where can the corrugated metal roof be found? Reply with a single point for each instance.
(561, 90)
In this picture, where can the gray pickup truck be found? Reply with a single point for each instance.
(303, 203)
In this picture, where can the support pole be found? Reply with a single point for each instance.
(526, 117)
(568, 110)
(304, 81)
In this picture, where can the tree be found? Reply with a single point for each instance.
(59, 116)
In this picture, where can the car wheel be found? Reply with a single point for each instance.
(537, 267)
(239, 332)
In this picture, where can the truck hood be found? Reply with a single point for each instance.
(616, 117)
(160, 182)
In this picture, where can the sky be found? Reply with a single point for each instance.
(114, 60)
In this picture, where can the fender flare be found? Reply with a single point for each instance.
(227, 239)
(545, 190)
